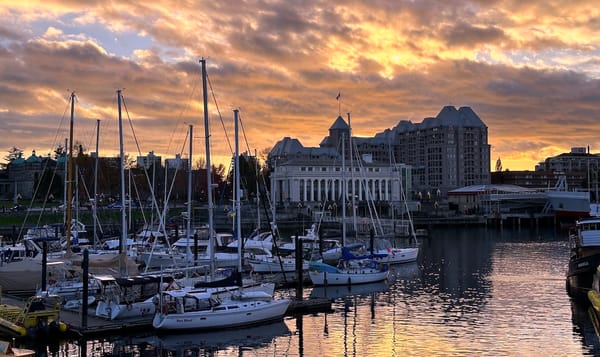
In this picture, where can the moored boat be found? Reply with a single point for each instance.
(584, 242)
(39, 317)
(182, 310)
(351, 270)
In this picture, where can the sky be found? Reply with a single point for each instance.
(529, 69)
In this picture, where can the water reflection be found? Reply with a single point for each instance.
(474, 291)
(190, 344)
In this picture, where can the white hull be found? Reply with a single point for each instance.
(112, 311)
(397, 255)
(273, 265)
(350, 277)
(569, 203)
(228, 315)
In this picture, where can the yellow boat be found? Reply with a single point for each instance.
(40, 315)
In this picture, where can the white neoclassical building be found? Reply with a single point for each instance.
(311, 177)
(321, 181)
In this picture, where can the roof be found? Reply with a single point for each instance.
(339, 124)
(498, 188)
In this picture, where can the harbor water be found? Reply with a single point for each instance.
(474, 291)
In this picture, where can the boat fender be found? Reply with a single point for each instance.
(129, 307)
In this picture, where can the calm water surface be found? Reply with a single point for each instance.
(473, 292)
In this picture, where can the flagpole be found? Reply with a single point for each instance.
(339, 103)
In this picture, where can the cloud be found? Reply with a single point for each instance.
(531, 66)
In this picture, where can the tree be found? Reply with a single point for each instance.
(13, 154)
(200, 163)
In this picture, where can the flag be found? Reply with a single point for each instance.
(338, 96)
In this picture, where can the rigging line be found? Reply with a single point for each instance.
(219, 112)
(22, 228)
(244, 135)
(183, 110)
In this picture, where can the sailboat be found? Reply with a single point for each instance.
(184, 309)
(351, 269)
(25, 275)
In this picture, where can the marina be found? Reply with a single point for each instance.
(473, 291)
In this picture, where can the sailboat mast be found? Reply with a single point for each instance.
(69, 178)
(344, 190)
(209, 187)
(354, 224)
(123, 245)
(237, 194)
(189, 189)
(95, 203)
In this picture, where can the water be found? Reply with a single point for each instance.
(474, 291)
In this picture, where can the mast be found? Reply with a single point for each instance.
(237, 194)
(123, 245)
(189, 193)
(344, 192)
(95, 203)
(354, 224)
(257, 191)
(209, 187)
(69, 178)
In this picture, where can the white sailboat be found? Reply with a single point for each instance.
(184, 309)
(351, 270)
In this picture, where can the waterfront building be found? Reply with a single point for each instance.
(579, 159)
(446, 152)
(496, 199)
(310, 177)
(443, 153)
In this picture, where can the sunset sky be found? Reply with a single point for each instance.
(529, 69)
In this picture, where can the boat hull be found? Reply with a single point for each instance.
(347, 278)
(244, 314)
(397, 256)
(274, 266)
(580, 275)
(110, 310)
(570, 203)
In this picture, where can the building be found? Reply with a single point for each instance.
(24, 176)
(448, 151)
(148, 161)
(310, 177)
(177, 163)
(578, 160)
(443, 153)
